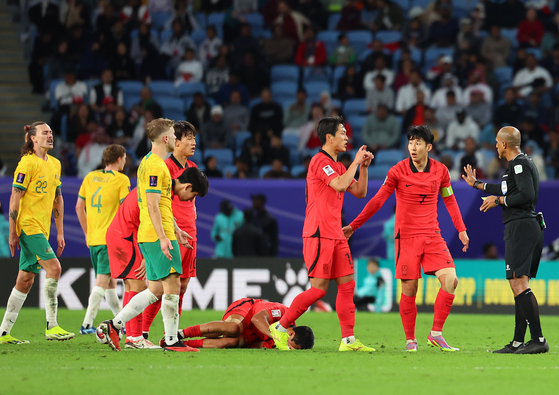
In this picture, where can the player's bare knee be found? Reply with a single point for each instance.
(24, 284)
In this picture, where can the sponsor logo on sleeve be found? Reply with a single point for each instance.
(152, 181)
(328, 170)
(20, 178)
(276, 313)
(385, 179)
(517, 169)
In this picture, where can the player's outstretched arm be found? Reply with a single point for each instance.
(13, 240)
(359, 188)
(261, 321)
(58, 212)
(470, 178)
(81, 213)
(342, 183)
(155, 216)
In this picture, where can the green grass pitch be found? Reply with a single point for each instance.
(82, 366)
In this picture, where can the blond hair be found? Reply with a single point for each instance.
(157, 127)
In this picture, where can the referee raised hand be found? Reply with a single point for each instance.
(518, 194)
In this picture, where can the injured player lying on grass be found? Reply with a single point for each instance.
(245, 324)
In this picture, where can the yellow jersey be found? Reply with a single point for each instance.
(103, 191)
(154, 177)
(39, 179)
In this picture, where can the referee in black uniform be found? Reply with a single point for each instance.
(518, 194)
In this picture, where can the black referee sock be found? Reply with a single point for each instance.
(529, 305)
(520, 323)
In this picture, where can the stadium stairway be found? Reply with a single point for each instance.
(18, 106)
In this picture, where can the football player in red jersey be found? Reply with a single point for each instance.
(183, 211)
(418, 182)
(245, 324)
(325, 249)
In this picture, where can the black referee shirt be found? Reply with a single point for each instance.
(520, 186)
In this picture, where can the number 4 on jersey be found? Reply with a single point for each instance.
(98, 204)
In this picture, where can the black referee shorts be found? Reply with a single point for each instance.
(523, 247)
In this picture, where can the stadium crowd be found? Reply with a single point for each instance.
(256, 76)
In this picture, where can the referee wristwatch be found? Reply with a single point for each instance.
(497, 201)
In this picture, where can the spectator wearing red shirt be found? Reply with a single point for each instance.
(311, 52)
(530, 30)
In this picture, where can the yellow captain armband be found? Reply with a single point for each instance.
(446, 192)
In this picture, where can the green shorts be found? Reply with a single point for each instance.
(158, 266)
(33, 249)
(100, 259)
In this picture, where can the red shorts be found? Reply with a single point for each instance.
(124, 255)
(188, 259)
(327, 258)
(242, 307)
(413, 253)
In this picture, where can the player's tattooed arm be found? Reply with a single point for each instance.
(13, 215)
(57, 194)
(13, 239)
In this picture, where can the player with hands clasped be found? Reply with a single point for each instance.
(419, 244)
(325, 249)
(518, 194)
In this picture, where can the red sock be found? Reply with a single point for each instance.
(345, 308)
(443, 304)
(149, 315)
(408, 313)
(127, 325)
(194, 343)
(132, 329)
(192, 331)
(180, 303)
(300, 304)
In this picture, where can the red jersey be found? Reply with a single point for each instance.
(416, 199)
(184, 212)
(127, 218)
(323, 217)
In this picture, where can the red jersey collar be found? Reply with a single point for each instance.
(176, 162)
(427, 168)
(327, 154)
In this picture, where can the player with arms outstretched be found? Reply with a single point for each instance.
(325, 249)
(99, 197)
(418, 182)
(36, 197)
(245, 324)
(183, 211)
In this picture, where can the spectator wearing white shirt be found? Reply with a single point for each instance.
(107, 88)
(209, 48)
(449, 83)
(91, 155)
(175, 46)
(480, 111)
(190, 69)
(447, 113)
(380, 93)
(460, 129)
(475, 84)
(380, 69)
(70, 90)
(526, 76)
(408, 93)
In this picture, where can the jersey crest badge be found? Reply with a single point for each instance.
(433, 186)
(328, 170)
(504, 187)
(20, 178)
(517, 169)
(276, 313)
(152, 181)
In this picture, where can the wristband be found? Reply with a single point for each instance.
(476, 183)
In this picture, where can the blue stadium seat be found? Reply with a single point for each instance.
(240, 138)
(314, 90)
(354, 107)
(378, 172)
(155, 33)
(130, 100)
(174, 115)
(320, 74)
(198, 36)
(359, 39)
(171, 105)
(259, 33)
(282, 73)
(405, 5)
(387, 36)
(266, 168)
(537, 52)
(216, 19)
(432, 55)
(201, 19)
(336, 103)
(229, 169)
(188, 89)
(159, 19)
(421, 3)
(161, 89)
(296, 170)
(333, 20)
(291, 141)
(330, 40)
(197, 157)
(254, 102)
(388, 157)
(134, 34)
(357, 122)
(130, 87)
(52, 88)
(416, 56)
(224, 156)
(165, 35)
(282, 91)
(503, 74)
(255, 20)
(511, 35)
(338, 73)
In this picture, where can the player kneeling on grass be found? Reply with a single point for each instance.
(36, 197)
(419, 244)
(245, 324)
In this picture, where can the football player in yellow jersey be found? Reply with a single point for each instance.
(36, 193)
(156, 237)
(99, 197)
